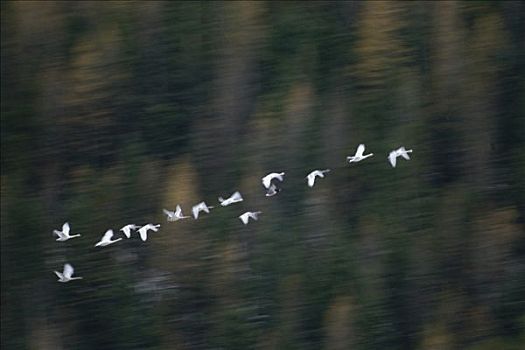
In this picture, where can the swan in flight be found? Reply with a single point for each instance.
(143, 231)
(401, 151)
(106, 239)
(175, 215)
(311, 177)
(234, 198)
(127, 229)
(64, 234)
(200, 207)
(249, 214)
(358, 156)
(267, 180)
(66, 275)
(272, 191)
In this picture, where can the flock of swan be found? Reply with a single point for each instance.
(269, 182)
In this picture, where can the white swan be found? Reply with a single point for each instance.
(143, 231)
(311, 177)
(106, 239)
(267, 180)
(249, 214)
(358, 156)
(401, 151)
(200, 207)
(66, 275)
(127, 229)
(174, 215)
(64, 234)
(234, 198)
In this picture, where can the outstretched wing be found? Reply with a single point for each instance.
(392, 158)
(65, 228)
(178, 210)
(311, 179)
(244, 218)
(360, 150)
(107, 236)
(404, 154)
(195, 210)
(169, 213)
(127, 230)
(272, 190)
(236, 196)
(266, 181)
(58, 233)
(59, 275)
(143, 234)
(68, 271)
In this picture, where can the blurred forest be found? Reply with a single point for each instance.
(111, 111)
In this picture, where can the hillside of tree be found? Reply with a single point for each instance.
(112, 111)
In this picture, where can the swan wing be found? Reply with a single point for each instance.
(360, 150)
(244, 218)
(405, 155)
(68, 271)
(143, 234)
(107, 236)
(237, 196)
(271, 191)
(195, 211)
(311, 179)
(127, 231)
(392, 158)
(66, 228)
(266, 181)
(168, 213)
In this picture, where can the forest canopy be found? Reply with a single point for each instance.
(112, 111)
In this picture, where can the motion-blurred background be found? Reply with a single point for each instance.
(111, 111)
